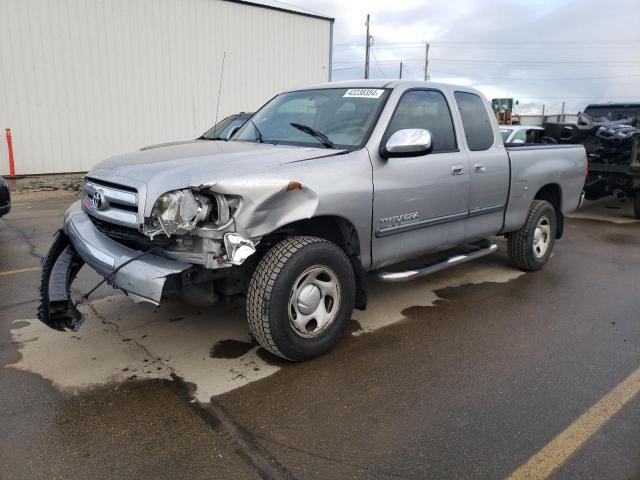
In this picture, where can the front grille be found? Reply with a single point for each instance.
(111, 202)
(130, 237)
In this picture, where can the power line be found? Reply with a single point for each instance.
(536, 41)
(487, 47)
(440, 73)
(575, 98)
(490, 77)
(529, 46)
(345, 68)
(545, 62)
(384, 74)
(518, 62)
(542, 44)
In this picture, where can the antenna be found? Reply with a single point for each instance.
(224, 55)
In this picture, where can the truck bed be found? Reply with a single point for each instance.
(534, 166)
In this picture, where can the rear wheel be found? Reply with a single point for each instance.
(300, 298)
(530, 247)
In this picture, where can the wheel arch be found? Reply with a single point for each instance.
(337, 230)
(552, 193)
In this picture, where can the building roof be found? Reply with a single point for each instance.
(283, 7)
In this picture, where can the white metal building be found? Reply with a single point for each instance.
(82, 80)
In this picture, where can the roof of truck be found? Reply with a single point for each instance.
(614, 105)
(384, 83)
(520, 127)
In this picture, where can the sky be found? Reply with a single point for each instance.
(535, 51)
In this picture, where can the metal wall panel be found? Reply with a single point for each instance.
(82, 80)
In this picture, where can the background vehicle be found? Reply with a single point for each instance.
(323, 185)
(5, 197)
(521, 134)
(612, 112)
(220, 131)
(225, 127)
(611, 136)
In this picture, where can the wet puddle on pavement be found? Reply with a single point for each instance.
(210, 349)
(607, 209)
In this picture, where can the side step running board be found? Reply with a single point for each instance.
(482, 249)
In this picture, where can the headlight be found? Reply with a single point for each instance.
(177, 211)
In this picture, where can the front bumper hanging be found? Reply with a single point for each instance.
(142, 279)
(59, 269)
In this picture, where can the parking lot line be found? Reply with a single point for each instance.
(569, 441)
(20, 270)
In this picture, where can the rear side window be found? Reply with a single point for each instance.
(475, 120)
(426, 109)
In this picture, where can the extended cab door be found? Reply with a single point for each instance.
(490, 171)
(420, 203)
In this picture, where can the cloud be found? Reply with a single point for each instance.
(536, 51)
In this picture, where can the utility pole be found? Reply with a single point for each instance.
(400, 70)
(543, 113)
(562, 114)
(367, 48)
(426, 62)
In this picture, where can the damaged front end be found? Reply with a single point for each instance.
(141, 275)
(59, 269)
(191, 241)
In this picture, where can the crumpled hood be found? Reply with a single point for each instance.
(194, 163)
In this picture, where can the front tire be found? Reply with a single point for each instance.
(300, 298)
(530, 247)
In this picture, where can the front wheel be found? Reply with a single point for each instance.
(530, 247)
(300, 298)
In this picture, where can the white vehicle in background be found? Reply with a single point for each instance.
(520, 134)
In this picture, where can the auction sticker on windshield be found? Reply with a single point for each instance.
(363, 93)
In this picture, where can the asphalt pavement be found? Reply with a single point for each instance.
(480, 371)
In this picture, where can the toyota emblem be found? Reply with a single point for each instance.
(99, 200)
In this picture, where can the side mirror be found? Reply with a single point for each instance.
(409, 142)
(518, 141)
(233, 131)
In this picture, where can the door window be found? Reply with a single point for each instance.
(475, 120)
(426, 109)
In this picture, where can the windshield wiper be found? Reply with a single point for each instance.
(257, 131)
(314, 133)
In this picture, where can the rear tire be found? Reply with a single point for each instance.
(636, 204)
(300, 298)
(530, 247)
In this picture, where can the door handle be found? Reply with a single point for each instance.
(457, 169)
(479, 167)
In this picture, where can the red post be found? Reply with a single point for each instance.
(12, 167)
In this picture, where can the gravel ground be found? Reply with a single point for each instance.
(70, 182)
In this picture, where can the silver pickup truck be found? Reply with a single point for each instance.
(321, 186)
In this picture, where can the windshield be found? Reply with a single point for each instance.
(505, 134)
(310, 117)
(220, 131)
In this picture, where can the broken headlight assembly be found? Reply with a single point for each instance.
(180, 211)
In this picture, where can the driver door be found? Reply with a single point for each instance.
(420, 203)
